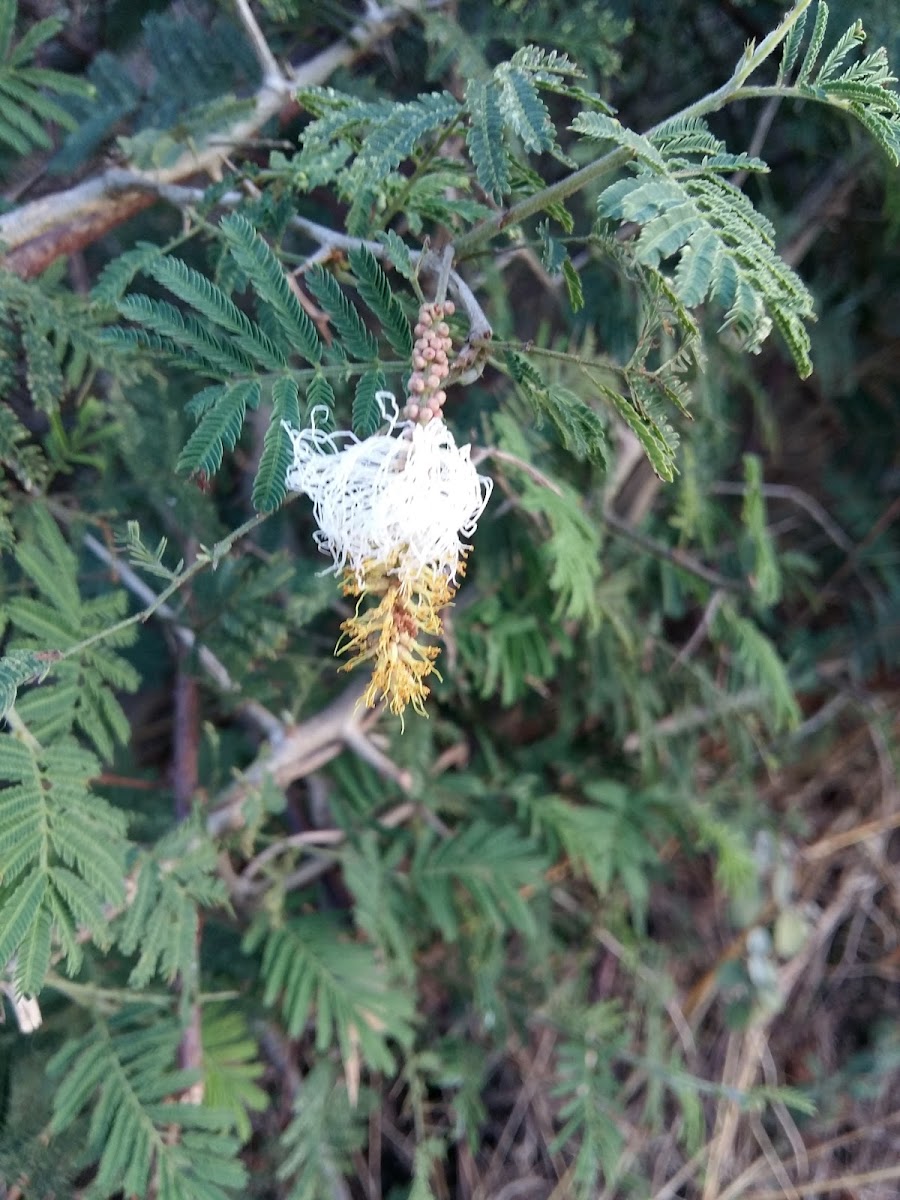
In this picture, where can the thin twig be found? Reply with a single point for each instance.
(519, 463)
(681, 1176)
(738, 1187)
(771, 1156)
(760, 133)
(37, 233)
(697, 717)
(690, 647)
(794, 495)
(310, 872)
(303, 749)
(294, 841)
(255, 712)
(366, 749)
(272, 73)
(531, 1084)
(121, 181)
(886, 519)
(612, 162)
(678, 558)
(846, 1184)
(826, 847)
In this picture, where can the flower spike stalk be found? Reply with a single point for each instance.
(393, 511)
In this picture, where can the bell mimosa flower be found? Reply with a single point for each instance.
(393, 511)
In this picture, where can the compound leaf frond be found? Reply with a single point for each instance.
(63, 854)
(313, 968)
(123, 1071)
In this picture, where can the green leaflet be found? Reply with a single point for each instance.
(525, 113)
(22, 666)
(320, 395)
(574, 286)
(269, 487)
(202, 294)
(398, 254)
(619, 826)
(356, 340)
(367, 414)
(170, 885)
(766, 573)
(45, 379)
(579, 428)
(18, 453)
(659, 441)
(816, 41)
(485, 138)
(25, 106)
(220, 427)
(489, 864)
(508, 657)
(760, 665)
(232, 1070)
(586, 1083)
(324, 1133)
(373, 286)
(182, 338)
(792, 47)
(254, 256)
(118, 274)
(387, 143)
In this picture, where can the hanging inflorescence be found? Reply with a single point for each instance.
(393, 511)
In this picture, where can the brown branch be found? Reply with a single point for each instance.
(303, 749)
(56, 233)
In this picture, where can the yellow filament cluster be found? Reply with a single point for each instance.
(388, 634)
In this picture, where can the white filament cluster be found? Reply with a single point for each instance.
(406, 496)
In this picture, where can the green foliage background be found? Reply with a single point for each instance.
(568, 929)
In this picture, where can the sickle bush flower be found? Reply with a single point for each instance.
(392, 511)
